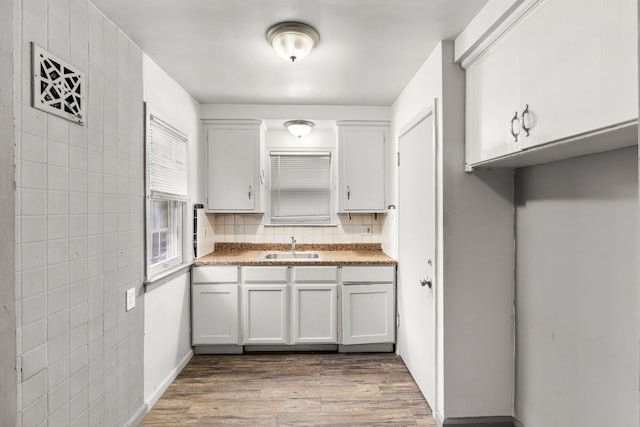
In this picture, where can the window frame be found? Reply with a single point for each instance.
(177, 206)
(332, 220)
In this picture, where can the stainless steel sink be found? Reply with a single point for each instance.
(288, 255)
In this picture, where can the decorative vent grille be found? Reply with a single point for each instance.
(58, 87)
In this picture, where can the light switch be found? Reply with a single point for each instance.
(131, 298)
(366, 230)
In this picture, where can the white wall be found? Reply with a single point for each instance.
(478, 259)
(421, 92)
(169, 98)
(167, 334)
(577, 292)
(8, 380)
(475, 253)
(167, 342)
(292, 112)
(79, 231)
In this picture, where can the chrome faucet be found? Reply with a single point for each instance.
(293, 244)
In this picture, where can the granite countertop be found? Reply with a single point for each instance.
(333, 254)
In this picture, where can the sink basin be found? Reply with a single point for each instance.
(293, 256)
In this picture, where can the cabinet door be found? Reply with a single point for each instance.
(215, 314)
(232, 169)
(265, 313)
(368, 314)
(362, 170)
(315, 313)
(578, 67)
(493, 97)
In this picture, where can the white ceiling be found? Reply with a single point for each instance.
(217, 50)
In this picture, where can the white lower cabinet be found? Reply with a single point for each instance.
(265, 307)
(215, 314)
(296, 305)
(265, 312)
(315, 313)
(315, 305)
(368, 305)
(215, 305)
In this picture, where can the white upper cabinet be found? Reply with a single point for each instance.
(493, 97)
(235, 180)
(568, 69)
(362, 154)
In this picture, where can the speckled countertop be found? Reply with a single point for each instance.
(333, 254)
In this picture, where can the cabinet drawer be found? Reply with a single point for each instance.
(315, 274)
(214, 274)
(265, 274)
(369, 274)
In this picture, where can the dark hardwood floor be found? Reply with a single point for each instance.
(293, 389)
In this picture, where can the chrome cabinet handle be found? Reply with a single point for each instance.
(514, 128)
(348, 193)
(250, 192)
(426, 282)
(523, 125)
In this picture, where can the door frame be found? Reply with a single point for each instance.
(430, 110)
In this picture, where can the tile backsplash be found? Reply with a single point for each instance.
(204, 233)
(250, 228)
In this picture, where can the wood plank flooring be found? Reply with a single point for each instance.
(292, 389)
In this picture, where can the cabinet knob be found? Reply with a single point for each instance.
(426, 282)
(250, 192)
(348, 193)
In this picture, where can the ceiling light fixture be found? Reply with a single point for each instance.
(293, 40)
(299, 128)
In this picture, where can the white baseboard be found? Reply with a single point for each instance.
(138, 416)
(151, 400)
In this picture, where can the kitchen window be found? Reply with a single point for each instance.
(166, 195)
(300, 188)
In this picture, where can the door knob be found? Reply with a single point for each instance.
(426, 282)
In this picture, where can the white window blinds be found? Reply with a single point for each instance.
(300, 187)
(167, 158)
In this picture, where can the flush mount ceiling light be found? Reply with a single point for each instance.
(293, 40)
(299, 128)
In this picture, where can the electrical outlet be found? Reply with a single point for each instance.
(131, 298)
(366, 230)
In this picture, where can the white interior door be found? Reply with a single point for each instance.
(417, 251)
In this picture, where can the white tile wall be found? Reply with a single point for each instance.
(79, 225)
(250, 228)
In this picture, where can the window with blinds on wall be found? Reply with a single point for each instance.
(300, 187)
(166, 188)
